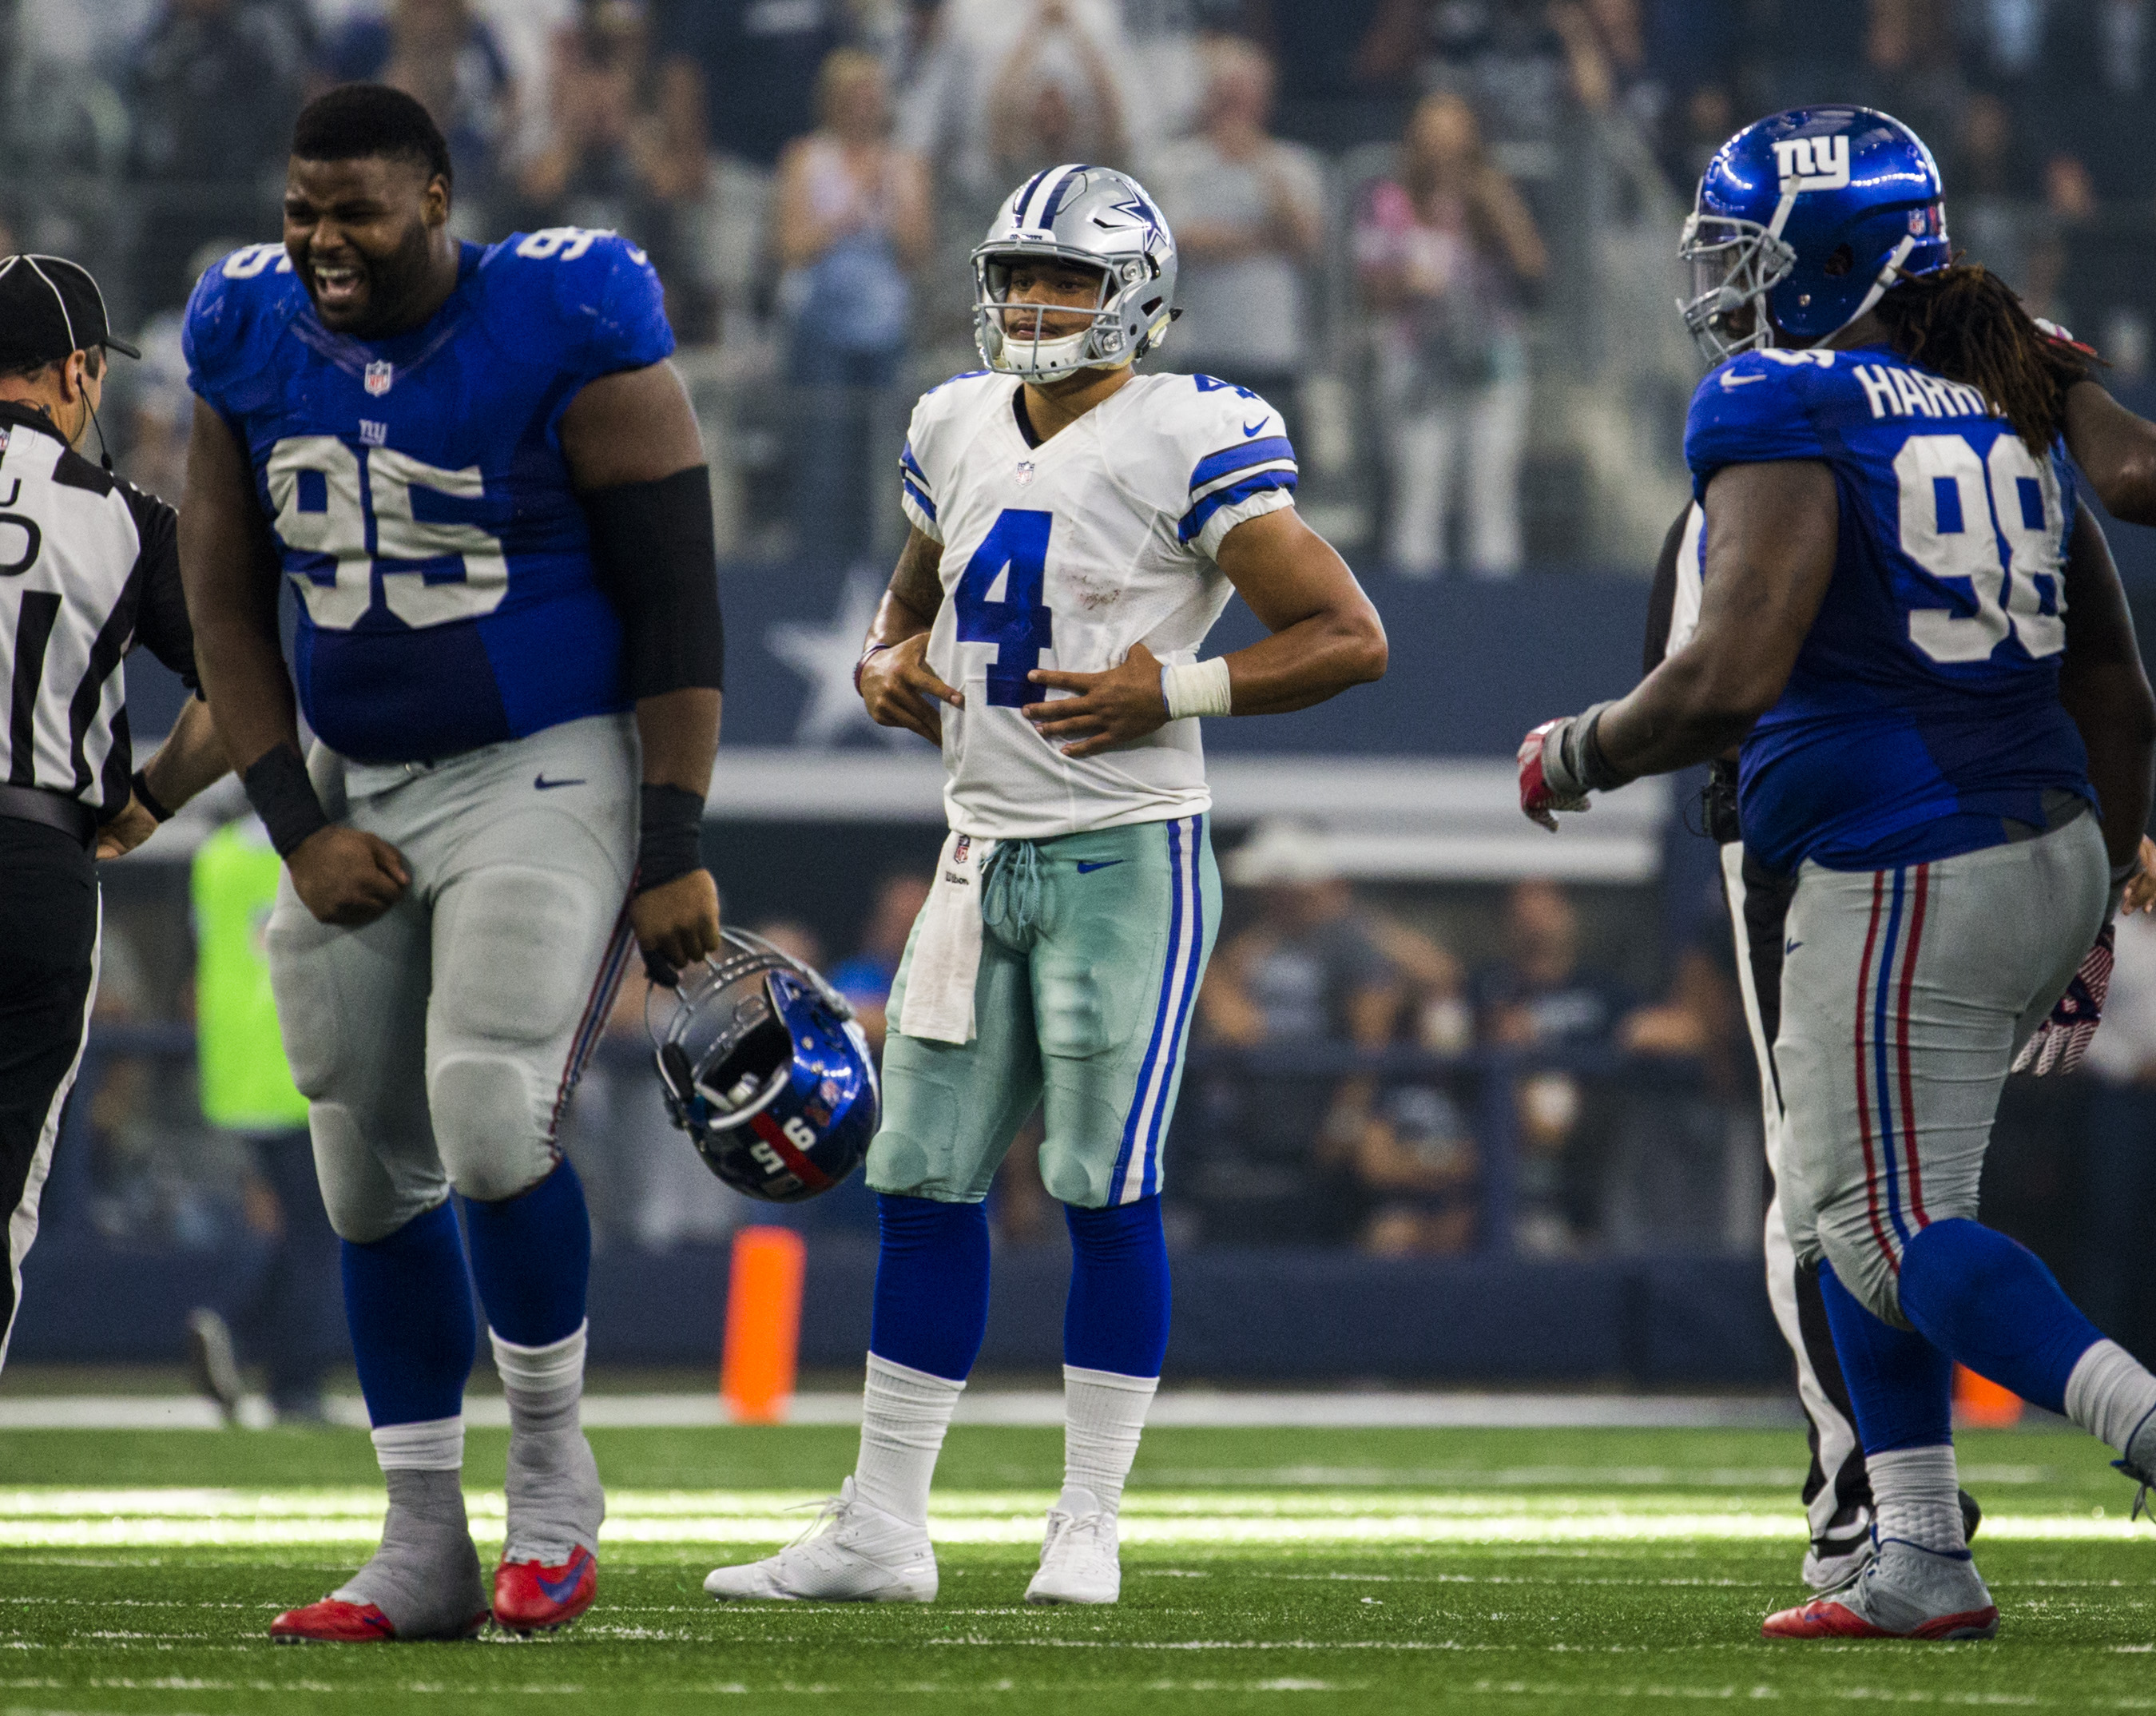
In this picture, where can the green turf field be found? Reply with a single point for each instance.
(1506, 1571)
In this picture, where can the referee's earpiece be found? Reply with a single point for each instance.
(104, 450)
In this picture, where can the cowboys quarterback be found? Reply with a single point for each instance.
(1912, 624)
(486, 488)
(1076, 528)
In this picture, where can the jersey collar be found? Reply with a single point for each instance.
(21, 412)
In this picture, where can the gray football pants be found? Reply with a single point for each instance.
(1905, 994)
(438, 1044)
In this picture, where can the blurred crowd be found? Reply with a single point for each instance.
(1379, 202)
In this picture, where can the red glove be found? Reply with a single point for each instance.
(2052, 331)
(2061, 1039)
(1546, 785)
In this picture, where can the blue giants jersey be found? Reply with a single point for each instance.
(1924, 707)
(417, 489)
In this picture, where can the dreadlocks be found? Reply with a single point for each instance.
(1967, 324)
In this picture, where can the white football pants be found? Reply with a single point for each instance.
(438, 1044)
(1837, 1484)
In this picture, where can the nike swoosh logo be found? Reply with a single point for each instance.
(545, 785)
(1086, 869)
(1741, 381)
(1251, 429)
(1791, 948)
(557, 1589)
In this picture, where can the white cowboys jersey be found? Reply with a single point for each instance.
(1064, 556)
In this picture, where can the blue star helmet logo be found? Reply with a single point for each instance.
(1141, 213)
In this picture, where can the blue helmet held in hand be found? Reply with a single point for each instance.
(764, 1067)
(1803, 220)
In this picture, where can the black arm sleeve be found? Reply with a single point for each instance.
(161, 617)
(653, 547)
(1662, 599)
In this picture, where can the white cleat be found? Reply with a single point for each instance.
(1078, 1562)
(854, 1552)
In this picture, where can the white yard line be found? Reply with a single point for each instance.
(81, 1518)
(1191, 1408)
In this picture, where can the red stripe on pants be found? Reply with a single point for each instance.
(1863, 1089)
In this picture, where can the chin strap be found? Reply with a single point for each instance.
(1889, 276)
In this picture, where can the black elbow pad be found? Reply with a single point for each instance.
(654, 550)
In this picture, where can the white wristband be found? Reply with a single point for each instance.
(1196, 688)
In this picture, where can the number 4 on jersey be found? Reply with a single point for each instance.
(1019, 624)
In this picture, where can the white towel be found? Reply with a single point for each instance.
(946, 952)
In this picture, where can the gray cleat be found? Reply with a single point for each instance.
(1904, 1593)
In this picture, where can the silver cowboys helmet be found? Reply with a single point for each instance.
(1093, 218)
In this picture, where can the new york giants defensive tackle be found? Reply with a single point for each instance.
(485, 486)
(1915, 628)
(1076, 530)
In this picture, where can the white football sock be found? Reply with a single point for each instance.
(2111, 1395)
(1917, 1498)
(903, 1414)
(544, 1384)
(437, 1445)
(1103, 1415)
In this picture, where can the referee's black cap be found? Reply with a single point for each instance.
(49, 307)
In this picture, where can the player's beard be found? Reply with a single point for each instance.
(393, 284)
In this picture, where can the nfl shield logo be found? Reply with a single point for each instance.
(1024, 472)
(378, 378)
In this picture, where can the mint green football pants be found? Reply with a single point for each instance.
(1094, 945)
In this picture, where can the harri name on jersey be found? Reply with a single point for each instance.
(1892, 390)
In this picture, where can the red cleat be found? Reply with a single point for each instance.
(531, 1597)
(1826, 1618)
(334, 1621)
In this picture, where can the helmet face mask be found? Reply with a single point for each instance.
(1734, 265)
(1074, 217)
(763, 1065)
(1042, 338)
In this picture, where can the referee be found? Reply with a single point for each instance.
(89, 567)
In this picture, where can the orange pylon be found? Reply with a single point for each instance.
(763, 1324)
(1981, 1404)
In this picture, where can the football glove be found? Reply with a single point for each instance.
(1559, 765)
(2061, 1039)
(2063, 337)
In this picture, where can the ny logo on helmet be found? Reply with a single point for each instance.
(1812, 163)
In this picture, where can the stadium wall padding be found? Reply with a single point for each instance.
(1308, 1316)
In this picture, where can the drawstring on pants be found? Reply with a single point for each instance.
(1013, 891)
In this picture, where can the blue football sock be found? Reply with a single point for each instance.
(408, 1301)
(1117, 1316)
(1900, 1386)
(1993, 1305)
(932, 1287)
(531, 1257)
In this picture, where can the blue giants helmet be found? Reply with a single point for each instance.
(1803, 219)
(765, 1069)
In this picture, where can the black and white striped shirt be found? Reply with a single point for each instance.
(89, 567)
